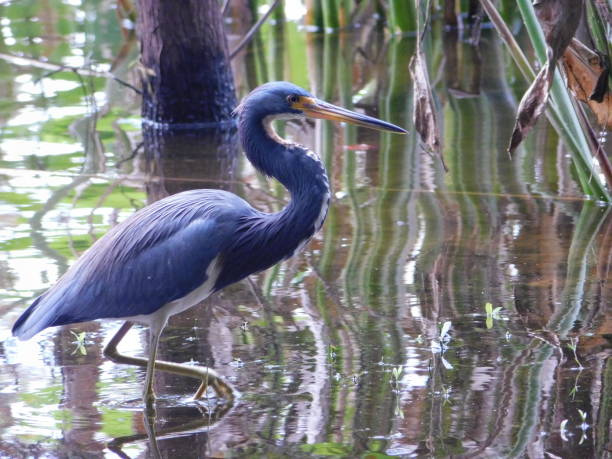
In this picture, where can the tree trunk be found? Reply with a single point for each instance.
(187, 78)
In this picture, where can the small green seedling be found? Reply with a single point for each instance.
(445, 391)
(332, 352)
(299, 277)
(492, 314)
(573, 346)
(396, 374)
(574, 389)
(79, 342)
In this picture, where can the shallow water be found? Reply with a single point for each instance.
(337, 352)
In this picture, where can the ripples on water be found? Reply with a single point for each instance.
(340, 353)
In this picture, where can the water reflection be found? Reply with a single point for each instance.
(180, 160)
(336, 352)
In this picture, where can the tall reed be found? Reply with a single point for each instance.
(402, 16)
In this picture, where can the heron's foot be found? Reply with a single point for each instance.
(221, 388)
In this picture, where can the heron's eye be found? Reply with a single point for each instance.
(292, 99)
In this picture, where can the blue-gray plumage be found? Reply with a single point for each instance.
(172, 254)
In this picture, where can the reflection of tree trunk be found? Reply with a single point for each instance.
(80, 375)
(182, 160)
(187, 76)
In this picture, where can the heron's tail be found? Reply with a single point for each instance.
(28, 325)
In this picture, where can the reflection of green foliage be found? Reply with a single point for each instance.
(44, 397)
(127, 126)
(448, 446)
(95, 219)
(65, 245)
(18, 243)
(105, 124)
(64, 419)
(327, 449)
(62, 162)
(119, 198)
(295, 42)
(74, 95)
(128, 375)
(375, 445)
(116, 423)
(100, 27)
(18, 199)
(56, 129)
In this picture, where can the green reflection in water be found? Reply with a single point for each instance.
(117, 423)
(405, 248)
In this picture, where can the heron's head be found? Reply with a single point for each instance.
(283, 100)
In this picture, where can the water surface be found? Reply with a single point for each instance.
(337, 352)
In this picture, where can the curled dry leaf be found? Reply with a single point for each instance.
(532, 106)
(424, 111)
(559, 20)
(583, 77)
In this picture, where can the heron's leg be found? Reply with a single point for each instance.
(207, 376)
(148, 395)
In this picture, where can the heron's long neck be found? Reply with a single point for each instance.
(298, 169)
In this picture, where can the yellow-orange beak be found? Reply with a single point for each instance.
(316, 108)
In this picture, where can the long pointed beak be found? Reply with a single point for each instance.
(316, 108)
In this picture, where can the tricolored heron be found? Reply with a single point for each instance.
(172, 254)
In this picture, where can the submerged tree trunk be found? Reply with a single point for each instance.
(187, 76)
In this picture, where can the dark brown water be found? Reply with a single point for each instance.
(374, 342)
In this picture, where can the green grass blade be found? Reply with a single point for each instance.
(402, 16)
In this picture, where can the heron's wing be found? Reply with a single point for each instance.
(160, 254)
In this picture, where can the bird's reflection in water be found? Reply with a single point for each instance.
(174, 420)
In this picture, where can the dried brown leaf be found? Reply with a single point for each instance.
(424, 110)
(532, 106)
(583, 77)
